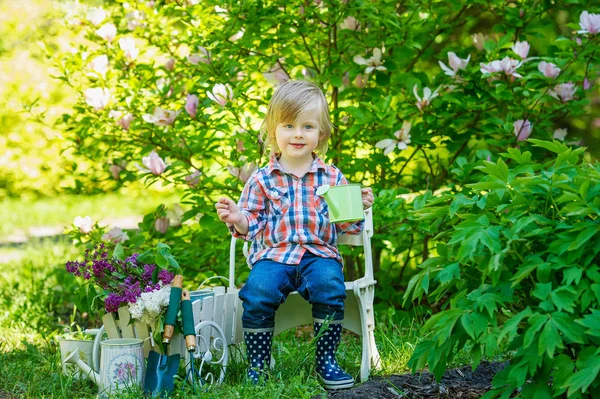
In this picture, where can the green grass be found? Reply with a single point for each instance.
(17, 214)
(36, 307)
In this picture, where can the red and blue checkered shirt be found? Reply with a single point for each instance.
(286, 217)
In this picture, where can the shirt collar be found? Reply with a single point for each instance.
(316, 164)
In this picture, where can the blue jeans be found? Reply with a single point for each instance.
(318, 280)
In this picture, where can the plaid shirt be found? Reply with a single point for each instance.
(286, 217)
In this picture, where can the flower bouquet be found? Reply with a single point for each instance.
(140, 281)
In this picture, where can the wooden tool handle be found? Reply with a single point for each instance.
(177, 281)
(188, 321)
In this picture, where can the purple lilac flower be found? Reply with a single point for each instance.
(147, 274)
(112, 302)
(132, 258)
(131, 291)
(165, 276)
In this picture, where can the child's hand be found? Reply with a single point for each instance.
(228, 211)
(367, 197)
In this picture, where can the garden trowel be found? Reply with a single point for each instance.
(162, 368)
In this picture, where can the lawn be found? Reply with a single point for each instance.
(35, 298)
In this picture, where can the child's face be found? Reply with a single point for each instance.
(298, 139)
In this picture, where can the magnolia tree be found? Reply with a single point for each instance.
(420, 93)
(173, 93)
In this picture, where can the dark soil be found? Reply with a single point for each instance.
(456, 383)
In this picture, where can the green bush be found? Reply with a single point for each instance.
(518, 259)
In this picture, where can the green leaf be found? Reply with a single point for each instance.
(549, 340)
(173, 263)
(581, 380)
(119, 252)
(146, 258)
(564, 323)
(592, 322)
(564, 298)
(510, 327)
(448, 273)
(161, 261)
(523, 272)
(542, 290)
(584, 237)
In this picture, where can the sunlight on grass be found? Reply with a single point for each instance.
(18, 214)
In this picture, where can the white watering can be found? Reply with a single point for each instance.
(121, 365)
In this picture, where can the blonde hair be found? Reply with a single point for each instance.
(290, 100)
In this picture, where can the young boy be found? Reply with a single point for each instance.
(293, 244)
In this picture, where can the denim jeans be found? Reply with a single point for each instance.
(318, 280)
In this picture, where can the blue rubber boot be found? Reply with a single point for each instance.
(258, 350)
(329, 370)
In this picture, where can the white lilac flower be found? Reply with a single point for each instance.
(150, 305)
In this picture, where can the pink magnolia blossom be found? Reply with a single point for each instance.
(590, 23)
(455, 62)
(221, 94)
(237, 36)
(115, 170)
(277, 73)
(401, 142)
(549, 69)
(359, 81)
(586, 84)
(154, 164)
(506, 65)
(161, 117)
(127, 44)
(97, 97)
(107, 32)
(350, 23)
(244, 172)
(522, 129)
(170, 64)
(239, 145)
(99, 65)
(479, 40)
(563, 91)
(96, 15)
(191, 104)
(197, 58)
(161, 225)
(560, 134)
(135, 19)
(427, 96)
(521, 49)
(374, 63)
(193, 179)
(84, 224)
(115, 235)
(122, 120)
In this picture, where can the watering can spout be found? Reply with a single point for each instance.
(73, 358)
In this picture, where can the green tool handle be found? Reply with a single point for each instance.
(187, 315)
(173, 308)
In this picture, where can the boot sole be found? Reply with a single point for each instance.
(344, 384)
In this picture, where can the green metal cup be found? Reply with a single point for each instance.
(344, 202)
